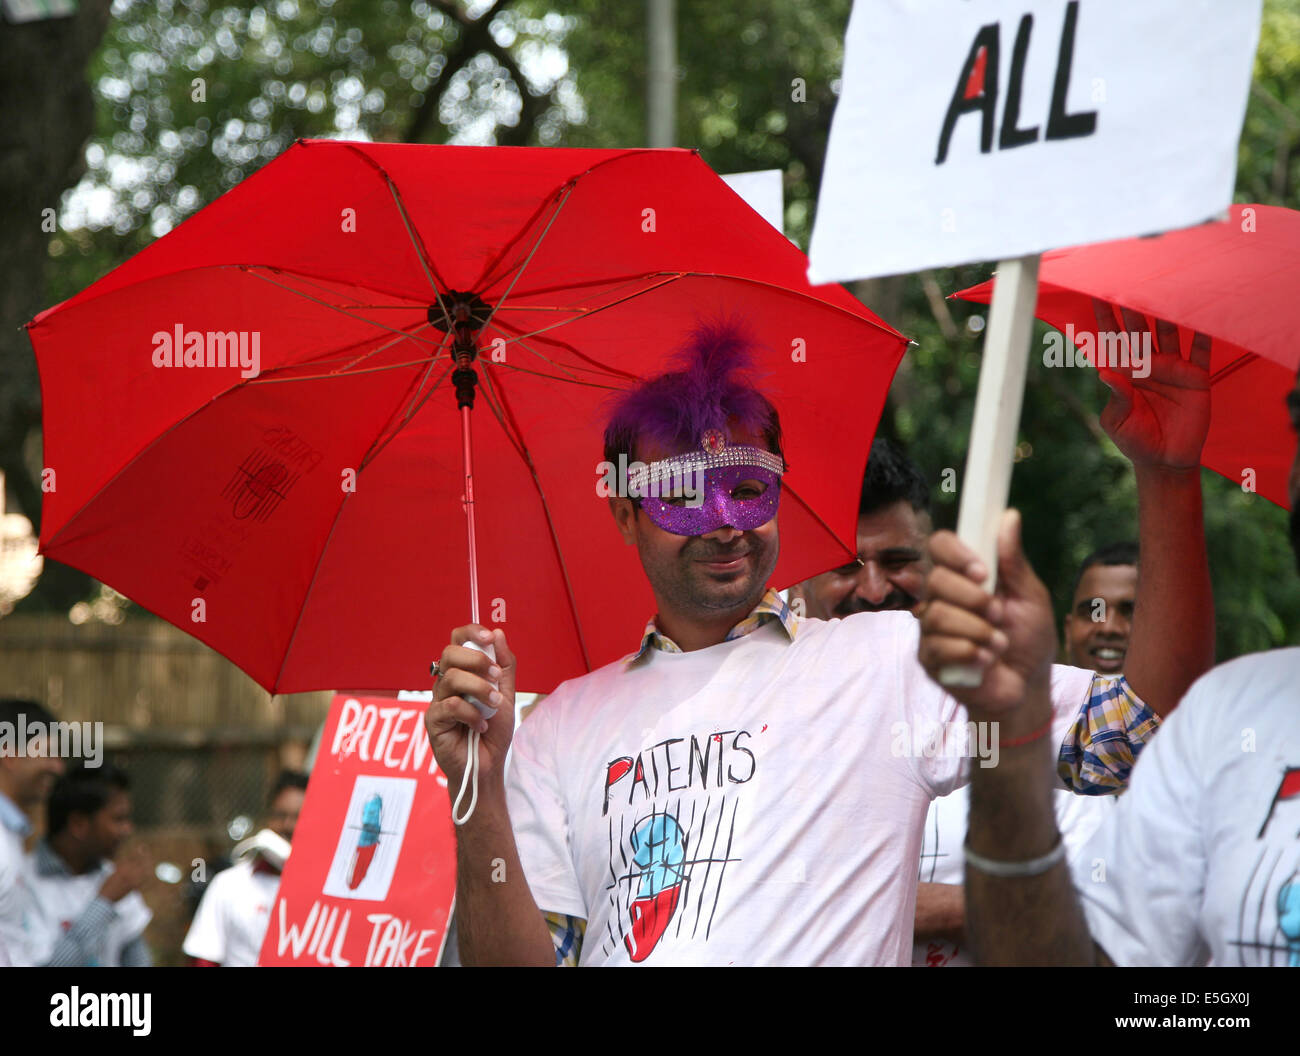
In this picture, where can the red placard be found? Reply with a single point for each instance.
(373, 870)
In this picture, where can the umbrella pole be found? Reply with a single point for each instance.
(998, 400)
(459, 310)
(467, 449)
(465, 378)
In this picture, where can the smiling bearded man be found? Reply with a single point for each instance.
(746, 786)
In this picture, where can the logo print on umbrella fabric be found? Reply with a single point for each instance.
(659, 851)
(258, 487)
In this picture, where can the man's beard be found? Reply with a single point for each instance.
(896, 600)
(720, 595)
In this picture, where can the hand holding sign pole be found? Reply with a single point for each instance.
(1127, 126)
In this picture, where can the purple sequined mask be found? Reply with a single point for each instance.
(698, 492)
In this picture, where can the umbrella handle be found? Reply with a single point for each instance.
(470, 776)
(471, 768)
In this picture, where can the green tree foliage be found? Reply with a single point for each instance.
(193, 97)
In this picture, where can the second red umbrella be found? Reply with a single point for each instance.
(1235, 280)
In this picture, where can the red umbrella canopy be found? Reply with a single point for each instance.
(1235, 280)
(299, 508)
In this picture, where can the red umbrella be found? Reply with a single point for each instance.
(1234, 280)
(306, 520)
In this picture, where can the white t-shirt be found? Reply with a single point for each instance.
(1201, 856)
(745, 803)
(62, 898)
(232, 917)
(942, 860)
(16, 905)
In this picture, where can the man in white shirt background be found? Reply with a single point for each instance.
(90, 911)
(231, 920)
(27, 773)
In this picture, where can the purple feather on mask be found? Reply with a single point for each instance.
(710, 385)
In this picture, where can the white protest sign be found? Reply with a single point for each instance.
(975, 130)
(763, 191)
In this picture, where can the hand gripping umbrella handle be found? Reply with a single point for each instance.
(470, 777)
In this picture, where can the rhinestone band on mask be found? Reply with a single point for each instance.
(679, 467)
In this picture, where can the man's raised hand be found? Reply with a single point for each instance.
(1009, 635)
(464, 673)
(1161, 419)
(130, 871)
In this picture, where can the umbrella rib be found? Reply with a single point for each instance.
(546, 509)
(569, 348)
(486, 278)
(306, 280)
(332, 307)
(667, 279)
(410, 407)
(346, 370)
(380, 348)
(587, 312)
(340, 372)
(880, 325)
(177, 424)
(366, 459)
(1235, 365)
(518, 340)
(302, 608)
(383, 441)
(582, 313)
(531, 253)
(418, 244)
(336, 373)
(554, 377)
(516, 441)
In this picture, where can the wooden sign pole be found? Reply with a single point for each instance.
(987, 483)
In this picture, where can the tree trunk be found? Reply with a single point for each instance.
(49, 114)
